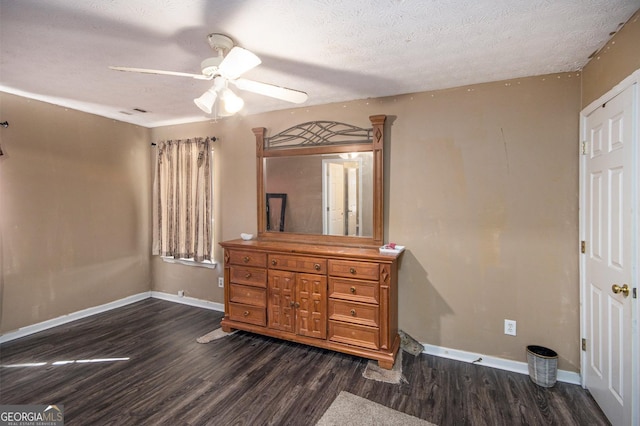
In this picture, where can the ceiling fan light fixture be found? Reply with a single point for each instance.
(206, 101)
(232, 102)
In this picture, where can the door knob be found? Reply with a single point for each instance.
(617, 289)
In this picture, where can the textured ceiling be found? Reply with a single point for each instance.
(335, 50)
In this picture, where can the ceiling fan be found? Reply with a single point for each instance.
(227, 67)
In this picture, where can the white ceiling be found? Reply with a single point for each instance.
(335, 50)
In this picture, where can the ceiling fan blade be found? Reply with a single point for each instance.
(161, 72)
(237, 62)
(290, 95)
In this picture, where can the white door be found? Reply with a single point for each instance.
(336, 198)
(352, 201)
(608, 229)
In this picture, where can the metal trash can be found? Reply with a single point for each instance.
(543, 365)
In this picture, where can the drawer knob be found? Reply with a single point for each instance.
(274, 262)
(248, 275)
(352, 270)
(297, 305)
(353, 312)
(352, 290)
(316, 266)
(292, 304)
(245, 259)
(245, 313)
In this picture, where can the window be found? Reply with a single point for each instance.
(183, 201)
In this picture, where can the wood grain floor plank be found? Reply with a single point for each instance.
(246, 379)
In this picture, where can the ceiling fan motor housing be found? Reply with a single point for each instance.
(220, 43)
(210, 65)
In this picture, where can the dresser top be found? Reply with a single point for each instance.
(326, 250)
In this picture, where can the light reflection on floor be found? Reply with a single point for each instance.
(65, 362)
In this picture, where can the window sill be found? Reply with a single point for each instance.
(191, 262)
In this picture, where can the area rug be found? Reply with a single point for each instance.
(351, 410)
(373, 372)
(214, 335)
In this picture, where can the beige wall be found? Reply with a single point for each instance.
(482, 189)
(619, 58)
(74, 211)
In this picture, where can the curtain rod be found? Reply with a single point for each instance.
(213, 138)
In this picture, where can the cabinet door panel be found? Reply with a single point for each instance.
(311, 295)
(281, 299)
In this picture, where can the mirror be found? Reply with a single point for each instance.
(321, 182)
(325, 193)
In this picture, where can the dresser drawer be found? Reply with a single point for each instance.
(355, 290)
(352, 269)
(311, 265)
(248, 295)
(247, 313)
(248, 258)
(248, 276)
(352, 334)
(355, 313)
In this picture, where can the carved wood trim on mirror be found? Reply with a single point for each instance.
(330, 146)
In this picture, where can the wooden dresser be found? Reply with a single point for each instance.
(338, 298)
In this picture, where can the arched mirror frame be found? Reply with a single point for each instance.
(374, 144)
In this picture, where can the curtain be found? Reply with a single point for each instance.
(182, 200)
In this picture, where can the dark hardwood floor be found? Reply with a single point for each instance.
(244, 379)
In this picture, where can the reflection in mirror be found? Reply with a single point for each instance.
(276, 207)
(330, 194)
(342, 202)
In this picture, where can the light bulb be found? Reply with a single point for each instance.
(232, 102)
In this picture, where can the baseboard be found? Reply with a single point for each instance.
(54, 322)
(494, 362)
(191, 301)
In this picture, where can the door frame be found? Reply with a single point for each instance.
(632, 79)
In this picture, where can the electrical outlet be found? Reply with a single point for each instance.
(221, 282)
(510, 327)
(180, 293)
